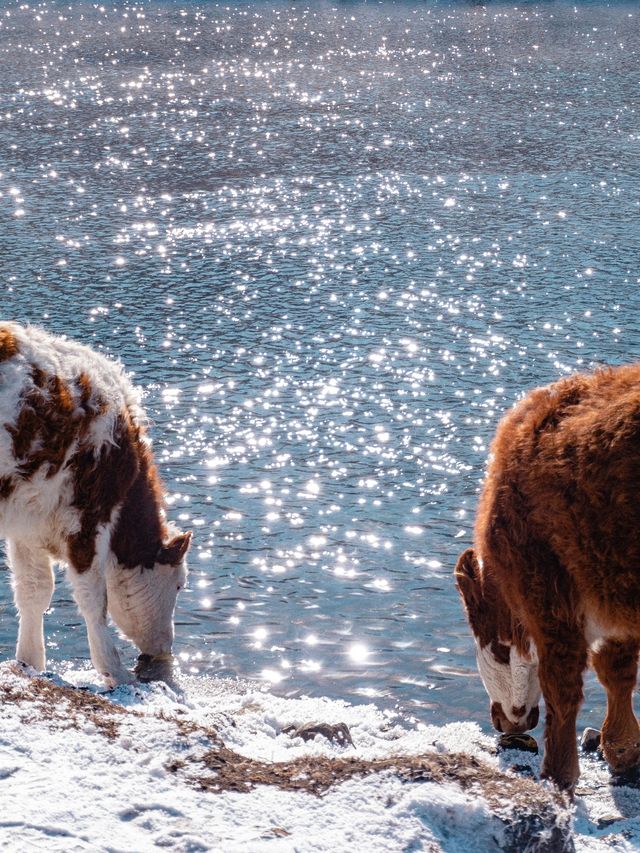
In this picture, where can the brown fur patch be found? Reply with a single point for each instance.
(492, 622)
(54, 415)
(8, 344)
(122, 474)
(50, 417)
(140, 530)
(100, 482)
(501, 653)
(7, 485)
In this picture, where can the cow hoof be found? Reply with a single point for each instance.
(622, 759)
(113, 681)
(567, 786)
(563, 779)
(629, 778)
(622, 753)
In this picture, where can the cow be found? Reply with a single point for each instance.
(78, 485)
(553, 580)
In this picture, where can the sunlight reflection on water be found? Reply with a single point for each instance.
(333, 245)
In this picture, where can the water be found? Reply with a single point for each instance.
(333, 244)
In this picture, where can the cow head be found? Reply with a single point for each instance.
(507, 662)
(142, 600)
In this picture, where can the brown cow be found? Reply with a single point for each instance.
(554, 580)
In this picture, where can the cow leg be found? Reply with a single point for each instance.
(563, 659)
(616, 665)
(33, 584)
(90, 593)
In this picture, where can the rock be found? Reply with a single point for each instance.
(525, 743)
(339, 733)
(590, 740)
(523, 770)
(608, 820)
(534, 835)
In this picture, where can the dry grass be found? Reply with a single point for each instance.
(44, 700)
(210, 765)
(529, 814)
(214, 767)
(222, 769)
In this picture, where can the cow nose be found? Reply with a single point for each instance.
(504, 725)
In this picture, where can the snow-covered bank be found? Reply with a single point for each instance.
(218, 765)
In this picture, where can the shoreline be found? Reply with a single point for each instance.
(216, 764)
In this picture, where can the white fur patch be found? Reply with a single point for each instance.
(514, 684)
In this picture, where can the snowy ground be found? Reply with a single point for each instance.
(217, 765)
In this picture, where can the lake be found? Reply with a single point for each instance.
(332, 243)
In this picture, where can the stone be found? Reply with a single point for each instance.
(338, 733)
(524, 743)
(590, 740)
(608, 820)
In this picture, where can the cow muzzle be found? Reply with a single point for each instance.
(154, 667)
(503, 724)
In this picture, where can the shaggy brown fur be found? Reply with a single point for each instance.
(141, 529)
(8, 344)
(98, 486)
(557, 533)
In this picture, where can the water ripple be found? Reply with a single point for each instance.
(333, 244)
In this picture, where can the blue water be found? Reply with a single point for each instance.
(333, 244)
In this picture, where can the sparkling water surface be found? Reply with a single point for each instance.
(332, 244)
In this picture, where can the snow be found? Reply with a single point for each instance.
(188, 768)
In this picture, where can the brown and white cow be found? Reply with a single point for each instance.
(78, 485)
(554, 579)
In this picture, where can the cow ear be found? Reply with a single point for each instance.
(467, 575)
(173, 552)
